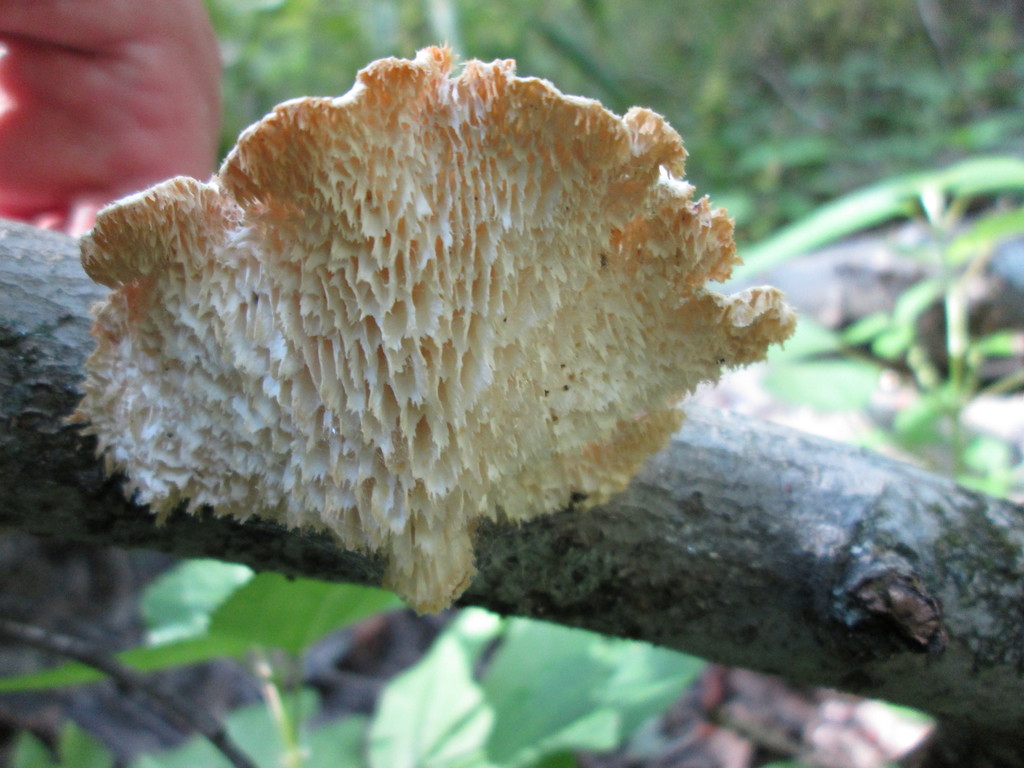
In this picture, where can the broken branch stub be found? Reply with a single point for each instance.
(431, 300)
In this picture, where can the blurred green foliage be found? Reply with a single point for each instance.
(545, 690)
(74, 748)
(204, 609)
(782, 105)
(826, 370)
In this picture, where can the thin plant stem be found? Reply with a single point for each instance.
(286, 725)
(1008, 383)
(941, 219)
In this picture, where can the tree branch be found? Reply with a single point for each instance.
(744, 543)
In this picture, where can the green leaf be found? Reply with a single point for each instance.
(255, 731)
(897, 333)
(891, 199)
(251, 728)
(30, 752)
(178, 604)
(917, 424)
(985, 233)
(341, 744)
(268, 611)
(915, 300)
(544, 684)
(831, 222)
(557, 760)
(827, 385)
(646, 680)
(998, 344)
(75, 748)
(274, 611)
(142, 659)
(555, 689)
(994, 485)
(548, 691)
(66, 674)
(435, 714)
(988, 455)
(893, 341)
(978, 176)
(866, 329)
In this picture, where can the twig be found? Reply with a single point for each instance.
(130, 680)
(292, 757)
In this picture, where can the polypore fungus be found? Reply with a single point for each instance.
(425, 302)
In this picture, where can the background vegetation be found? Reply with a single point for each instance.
(782, 105)
(786, 108)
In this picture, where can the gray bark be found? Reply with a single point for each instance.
(744, 543)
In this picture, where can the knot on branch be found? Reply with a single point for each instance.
(889, 609)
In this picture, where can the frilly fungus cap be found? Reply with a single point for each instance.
(428, 301)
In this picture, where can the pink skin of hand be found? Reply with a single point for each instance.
(100, 98)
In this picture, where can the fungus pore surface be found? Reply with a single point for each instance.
(431, 300)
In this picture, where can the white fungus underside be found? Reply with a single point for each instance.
(429, 301)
